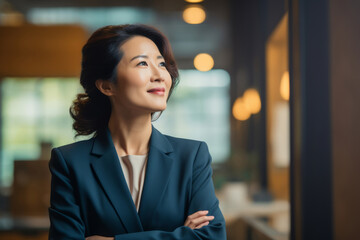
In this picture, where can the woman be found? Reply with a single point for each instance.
(129, 181)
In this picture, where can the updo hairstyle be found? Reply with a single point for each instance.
(100, 56)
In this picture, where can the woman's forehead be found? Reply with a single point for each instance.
(139, 45)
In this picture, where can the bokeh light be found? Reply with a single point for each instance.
(194, 1)
(252, 100)
(203, 62)
(240, 110)
(194, 14)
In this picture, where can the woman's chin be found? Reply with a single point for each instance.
(159, 108)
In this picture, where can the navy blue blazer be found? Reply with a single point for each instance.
(89, 194)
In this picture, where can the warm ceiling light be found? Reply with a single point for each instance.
(203, 62)
(194, 1)
(252, 100)
(194, 14)
(285, 86)
(240, 111)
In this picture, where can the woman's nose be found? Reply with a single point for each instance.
(156, 75)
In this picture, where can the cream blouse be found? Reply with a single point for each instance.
(133, 167)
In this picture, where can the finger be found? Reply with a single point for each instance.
(201, 225)
(201, 220)
(194, 216)
(198, 214)
(198, 221)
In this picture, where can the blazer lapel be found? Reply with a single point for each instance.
(157, 175)
(108, 170)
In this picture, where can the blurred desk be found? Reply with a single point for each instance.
(254, 209)
(249, 218)
(24, 228)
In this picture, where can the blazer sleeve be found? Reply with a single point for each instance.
(64, 212)
(202, 198)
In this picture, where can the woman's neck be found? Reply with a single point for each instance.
(131, 135)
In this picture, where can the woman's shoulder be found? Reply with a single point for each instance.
(190, 151)
(76, 147)
(180, 140)
(74, 155)
(185, 144)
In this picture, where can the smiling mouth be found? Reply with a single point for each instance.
(157, 91)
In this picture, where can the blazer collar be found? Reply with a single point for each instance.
(108, 170)
(157, 176)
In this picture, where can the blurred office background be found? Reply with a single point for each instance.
(271, 85)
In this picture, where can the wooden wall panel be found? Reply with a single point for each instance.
(41, 51)
(345, 79)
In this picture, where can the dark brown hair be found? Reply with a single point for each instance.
(100, 56)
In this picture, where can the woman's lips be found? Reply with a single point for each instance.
(157, 91)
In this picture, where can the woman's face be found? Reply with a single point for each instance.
(143, 82)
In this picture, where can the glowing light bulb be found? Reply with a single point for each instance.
(240, 111)
(194, 14)
(252, 100)
(203, 62)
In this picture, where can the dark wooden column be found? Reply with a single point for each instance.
(311, 156)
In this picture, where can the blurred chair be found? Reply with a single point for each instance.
(31, 189)
(29, 202)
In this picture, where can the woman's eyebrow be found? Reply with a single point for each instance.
(145, 56)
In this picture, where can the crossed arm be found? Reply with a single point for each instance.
(197, 225)
(193, 221)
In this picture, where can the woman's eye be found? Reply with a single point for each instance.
(143, 63)
(163, 64)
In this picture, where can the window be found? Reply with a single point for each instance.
(199, 109)
(35, 111)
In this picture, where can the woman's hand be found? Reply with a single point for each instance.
(198, 220)
(99, 238)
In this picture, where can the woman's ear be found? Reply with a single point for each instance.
(104, 86)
